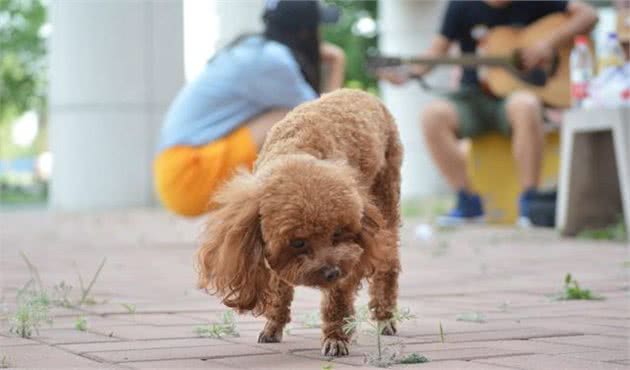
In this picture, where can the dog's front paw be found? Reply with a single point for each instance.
(335, 347)
(388, 328)
(271, 333)
(265, 337)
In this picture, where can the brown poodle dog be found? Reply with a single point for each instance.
(321, 209)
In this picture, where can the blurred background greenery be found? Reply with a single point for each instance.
(23, 32)
(356, 33)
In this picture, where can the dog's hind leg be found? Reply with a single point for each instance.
(383, 288)
(278, 313)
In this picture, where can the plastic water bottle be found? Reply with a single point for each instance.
(611, 55)
(581, 65)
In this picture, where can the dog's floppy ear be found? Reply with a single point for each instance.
(230, 259)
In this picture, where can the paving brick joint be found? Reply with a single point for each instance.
(148, 310)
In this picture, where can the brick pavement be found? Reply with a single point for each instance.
(502, 273)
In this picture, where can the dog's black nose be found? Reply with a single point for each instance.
(331, 273)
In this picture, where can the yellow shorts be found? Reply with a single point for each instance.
(186, 177)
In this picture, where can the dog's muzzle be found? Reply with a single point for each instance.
(331, 273)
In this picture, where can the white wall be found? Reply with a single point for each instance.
(114, 68)
(237, 17)
(407, 27)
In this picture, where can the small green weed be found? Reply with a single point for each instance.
(614, 232)
(441, 333)
(572, 291)
(471, 317)
(33, 271)
(328, 367)
(61, 294)
(32, 312)
(385, 355)
(414, 358)
(4, 362)
(226, 327)
(311, 319)
(131, 308)
(34, 301)
(85, 291)
(80, 324)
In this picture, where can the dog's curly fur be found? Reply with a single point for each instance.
(321, 209)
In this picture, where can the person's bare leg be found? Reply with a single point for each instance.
(260, 125)
(524, 112)
(439, 125)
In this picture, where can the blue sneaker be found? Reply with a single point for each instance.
(524, 202)
(467, 210)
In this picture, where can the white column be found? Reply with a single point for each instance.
(407, 27)
(237, 17)
(114, 68)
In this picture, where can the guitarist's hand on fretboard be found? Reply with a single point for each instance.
(538, 55)
(395, 75)
(401, 74)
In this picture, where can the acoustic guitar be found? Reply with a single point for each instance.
(499, 55)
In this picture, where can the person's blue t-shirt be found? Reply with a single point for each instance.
(240, 83)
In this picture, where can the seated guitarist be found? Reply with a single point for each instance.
(472, 111)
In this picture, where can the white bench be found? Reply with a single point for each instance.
(594, 182)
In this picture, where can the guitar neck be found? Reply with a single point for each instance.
(469, 60)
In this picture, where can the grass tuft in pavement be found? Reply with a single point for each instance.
(573, 291)
(32, 312)
(614, 232)
(385, 355)
(81, 324)
(226, 327)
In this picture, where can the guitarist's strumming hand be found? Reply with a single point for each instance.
(582, 19)
(537, 55)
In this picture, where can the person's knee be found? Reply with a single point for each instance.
(523, 103)
(438, 115)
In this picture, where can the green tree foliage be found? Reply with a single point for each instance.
(22, 58)
(356, 46)
(22, 63)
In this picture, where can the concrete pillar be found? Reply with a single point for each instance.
(114, 68)
(237, 17)
(407, 27)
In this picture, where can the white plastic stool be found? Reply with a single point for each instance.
(594, 182)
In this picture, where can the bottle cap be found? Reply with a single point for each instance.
(581, 40)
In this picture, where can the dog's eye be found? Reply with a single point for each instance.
(338, 233)
(298, 243)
